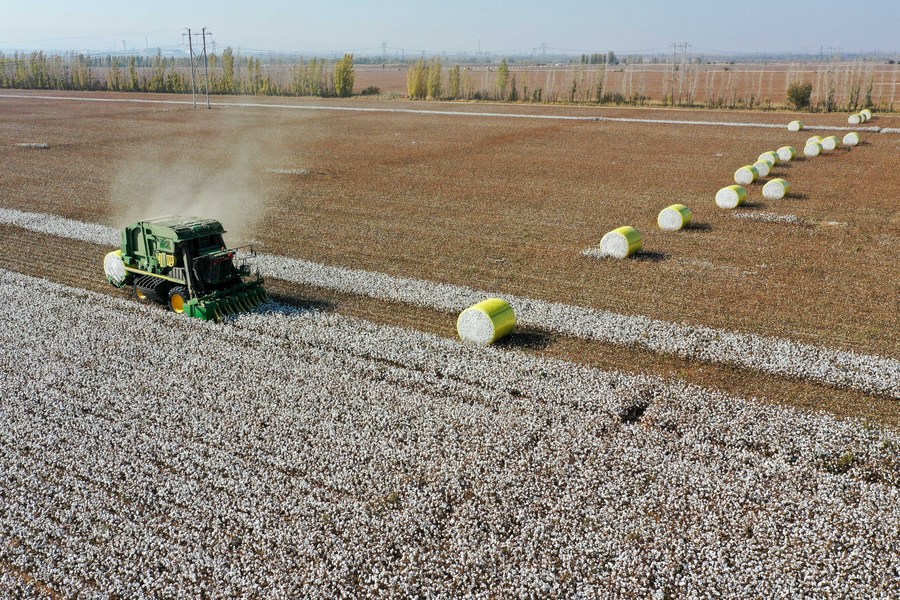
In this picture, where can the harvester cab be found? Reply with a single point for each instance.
(183, 262)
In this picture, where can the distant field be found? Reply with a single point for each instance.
(764, 82)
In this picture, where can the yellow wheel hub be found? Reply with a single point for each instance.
(140, 294)
(177, 303)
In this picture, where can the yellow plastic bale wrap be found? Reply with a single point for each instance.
(831, 142)
(795, 126)
(763, 167)
(731, 196)
(851, 139)
(816, 139)
(674, 217)
(622, 242)
(812, 149)
(856, 119)
(867, 113)
(787, 153)
(776, 189)
(746, 174)
(769, 157)
(486, 322)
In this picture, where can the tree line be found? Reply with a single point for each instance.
(228, 74)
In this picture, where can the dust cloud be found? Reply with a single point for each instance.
(219, 178)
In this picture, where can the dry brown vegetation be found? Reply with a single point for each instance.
(504, 205)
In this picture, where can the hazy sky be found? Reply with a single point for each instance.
(324, 26)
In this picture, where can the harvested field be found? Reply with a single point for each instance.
(357, 458)
(495, 205)
(715, 415)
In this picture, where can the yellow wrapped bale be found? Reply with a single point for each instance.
(746, 174)
(851, 139)
(814, 139)
(769, 157)
(812, 149)
(776, 189)
(674, 217)
(763, 167)
(831, 142)
(622, 242)
(486, 322)
(731, 196)
(867, 113)
(795, 126)
(856, 119)
(787, 153)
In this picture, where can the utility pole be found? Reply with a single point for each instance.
(191, 52)
(206, 63)
(383, 52)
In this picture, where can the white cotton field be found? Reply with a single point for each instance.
(779, 356)
(301, 454)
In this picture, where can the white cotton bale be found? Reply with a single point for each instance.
(763, 167)
(621, 242)
(795, 126)
(831, 142)
(674, 217)
(486, 322)
(816, 138)
(812, 149)
(114, 268)
(867, 113)
(855, 119)
(776, 189)
(746, 175)
(787, 153)
(731, 196)
(851, 139)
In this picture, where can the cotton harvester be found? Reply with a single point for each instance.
(183, 262)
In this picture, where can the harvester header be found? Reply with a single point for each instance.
(183, 262)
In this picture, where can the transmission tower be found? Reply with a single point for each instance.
(205, 64)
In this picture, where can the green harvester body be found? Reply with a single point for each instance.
(183, 262)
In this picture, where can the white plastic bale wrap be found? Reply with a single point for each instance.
(776, 189)
(763, 168)
(795, 126)
(867, 113)
(851, 139)
(855, 119)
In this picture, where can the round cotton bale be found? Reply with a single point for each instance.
(812, 149)
(731, 196)
(114, 267)
(770, 157)
(486, 322)
(816, 138)
(795, 126)
(621, 242)
(867, 113)
(763, 167)
(787, 153)
(776, 189)
(851, 139)
(745, 175)
(831, 142)
(855, 119)
(673, 218)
